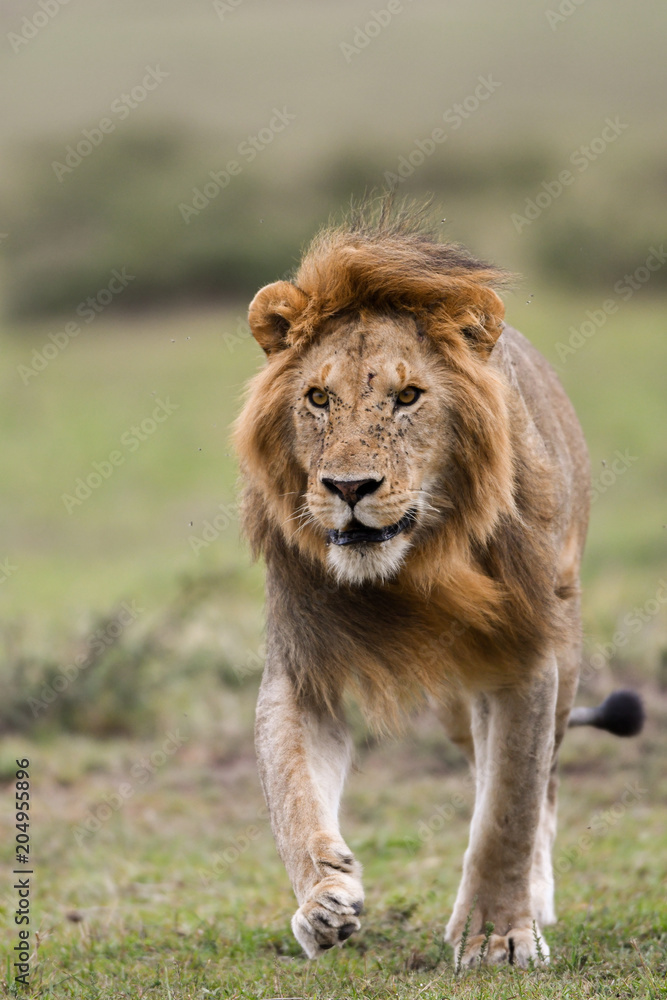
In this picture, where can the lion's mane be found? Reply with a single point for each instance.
(478, 597)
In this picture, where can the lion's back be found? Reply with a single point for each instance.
(538, 386)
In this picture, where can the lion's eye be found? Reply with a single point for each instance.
(319, 397)
(409, 395)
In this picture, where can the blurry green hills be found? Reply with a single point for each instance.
(265, 119)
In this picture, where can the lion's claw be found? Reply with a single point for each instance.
(329, 916)
(517, 947)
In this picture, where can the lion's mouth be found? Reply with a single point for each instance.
(358, 532)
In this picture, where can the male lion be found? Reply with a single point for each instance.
(418, 483)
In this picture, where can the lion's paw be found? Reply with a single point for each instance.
(521, 946)
(330, 914)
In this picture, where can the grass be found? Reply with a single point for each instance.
(75, 413)
(180, 892)
(155, 902)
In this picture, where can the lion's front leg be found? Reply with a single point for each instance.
(513, 733)
(303, 759)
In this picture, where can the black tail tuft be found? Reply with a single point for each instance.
(622, 714)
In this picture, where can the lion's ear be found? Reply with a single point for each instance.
(272, 312)
(482, 321)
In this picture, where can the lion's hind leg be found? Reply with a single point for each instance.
(542, 878)
(454, 714)
(513, 732)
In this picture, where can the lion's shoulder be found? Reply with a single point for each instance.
(535, 383)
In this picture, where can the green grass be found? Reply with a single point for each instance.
(160, 901)
(125, 913)
(132, 534)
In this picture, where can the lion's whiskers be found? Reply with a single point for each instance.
(424, 504)
(311, 520)
(298, 513)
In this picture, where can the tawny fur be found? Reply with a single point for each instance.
(477, 601)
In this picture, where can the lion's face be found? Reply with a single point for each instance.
(377, 433)
(370, 414)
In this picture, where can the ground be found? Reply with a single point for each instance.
(180, 893)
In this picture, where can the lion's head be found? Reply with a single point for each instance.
(377, 431)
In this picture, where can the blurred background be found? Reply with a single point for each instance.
(162, 160)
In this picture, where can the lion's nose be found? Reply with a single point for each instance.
(352, 490)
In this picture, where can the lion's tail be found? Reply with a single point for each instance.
(622, 714)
